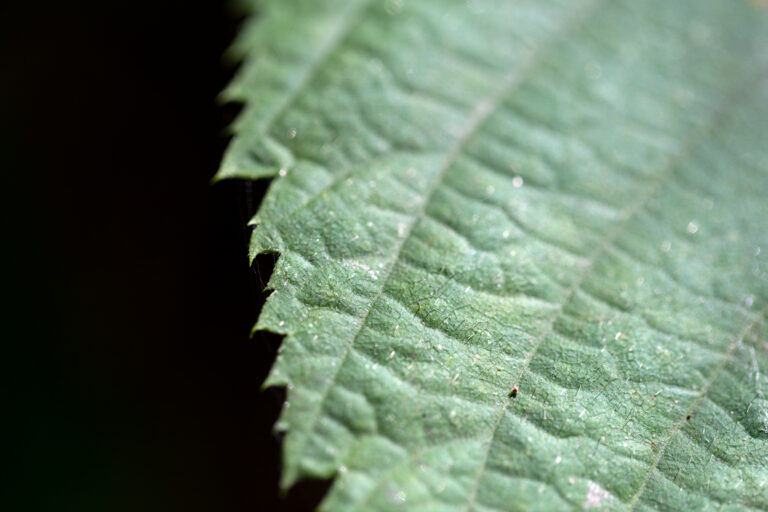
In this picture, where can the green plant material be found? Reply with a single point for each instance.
(520, 244)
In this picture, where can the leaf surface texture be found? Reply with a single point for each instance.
(568, 198)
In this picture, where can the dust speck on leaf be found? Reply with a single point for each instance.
(398, 498)
(596, 495)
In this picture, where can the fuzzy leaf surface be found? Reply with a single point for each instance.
(564, 198)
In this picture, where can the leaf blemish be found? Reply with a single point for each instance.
(596, 495)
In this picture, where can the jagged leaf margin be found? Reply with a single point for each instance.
(564, 199)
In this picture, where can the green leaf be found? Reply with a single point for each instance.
(564, 198)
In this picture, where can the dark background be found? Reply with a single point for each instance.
(133, 382)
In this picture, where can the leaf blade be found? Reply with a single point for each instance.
(387, 235)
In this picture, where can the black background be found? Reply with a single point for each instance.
(133, 382)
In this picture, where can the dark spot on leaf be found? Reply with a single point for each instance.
(513, 392)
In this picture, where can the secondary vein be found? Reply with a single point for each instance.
(668, 171)
(482, 111)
